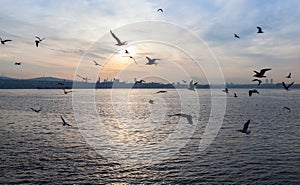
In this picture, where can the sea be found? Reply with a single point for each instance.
(117, 137)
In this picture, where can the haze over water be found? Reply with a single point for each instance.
(36, 148)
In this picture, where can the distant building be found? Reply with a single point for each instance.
(267, 81)
(271, 81)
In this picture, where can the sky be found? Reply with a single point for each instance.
(193, 39)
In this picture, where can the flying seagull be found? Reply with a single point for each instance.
(289, 75)
(287, 108)
(160, 10)
(261, 73)
(245, 128)
(38, 41)
(287, 87)
(192, 85)
(253, 91)
(236, 36)
(151, 61)
(83, 78)
(226, 90)
(259, 30)
(160, 92)
(96, 63)
(139, 82)
(131, 58)
(118, 40)
(17, 63)
(126, 51)
(3, 41)
(36, 110)
(151, 101)
(235, 95)
(64, 122)
(187, 116)
(66, 92)
(183, 81)
(257, 80)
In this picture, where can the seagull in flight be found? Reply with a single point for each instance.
(226, 90)
(236, 36)
(287, 108)
(187, 116)
(139, 82)
(118, 40)
(253, 91)
(3, 41)
(160, 10)
(257, 80)
(289, 75)
(64, 122)
(126, 51)
(161, 92)
(261, 73)
(151, 61)
(83, 78)
(66, 92)
(38, 41)
(96, 63)
(245, 128)
(183, 81)
(17, 63)
(131, 58)
(235, 95)
(36, 110)
(151, 101)
(287, 87)
(192, 85)
(259, 29)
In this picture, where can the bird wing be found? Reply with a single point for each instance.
(246, 125)
(115, 37)
(38, 38)
(191, 83)
(262, 71)
(63, 120)
(189, 118)
(7, 40)
(96, 63)
(283, 84)
(250, 93)
(290, 85)
(80, 76)
(33, 109)
(149, 59)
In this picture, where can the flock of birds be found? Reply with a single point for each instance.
(153, 61)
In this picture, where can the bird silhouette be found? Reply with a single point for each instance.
(66, 92)
(139, 82)
(253, 91)
(183, 81)
(36, 110)
(289, 75)
(257, 80)
(151, 61)
(287, 87)
(64, 123)
(126, 51)
(85, 79)
(235, 95)
(236, 36)
(131, 58)
(18, 63)
(96, 63)
(226, 90)
(38, 41)
(187, 116)
(287, 108)
(245, 128)
(119, 43)
(192, 85)
(3, 41)
(261, 73)
(259, 29)
(160, 10)
(151, 101)
(160, 92)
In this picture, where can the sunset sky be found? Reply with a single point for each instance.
(77, 32)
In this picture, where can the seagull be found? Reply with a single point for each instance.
(126, 51)
(83, 78)
(151, 101)
(66, 92)
(261, 73)
(3, 41)
(96, 63)
(17, 63)
(151, 61)
(245, 128)
(36, 110)
(183, 81)
(192, 85)
(253, 91)
(118, 40)
(64, 122)
(235, 95)
(287, 108)
(39, 40)
(160, 10)
(187, 116)
(236, 36)
(287, 87)
(139, 82)
(259, 81)
(259, 30)
(226, 90)
(289, 75)
(161, 92)
(131, 58)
